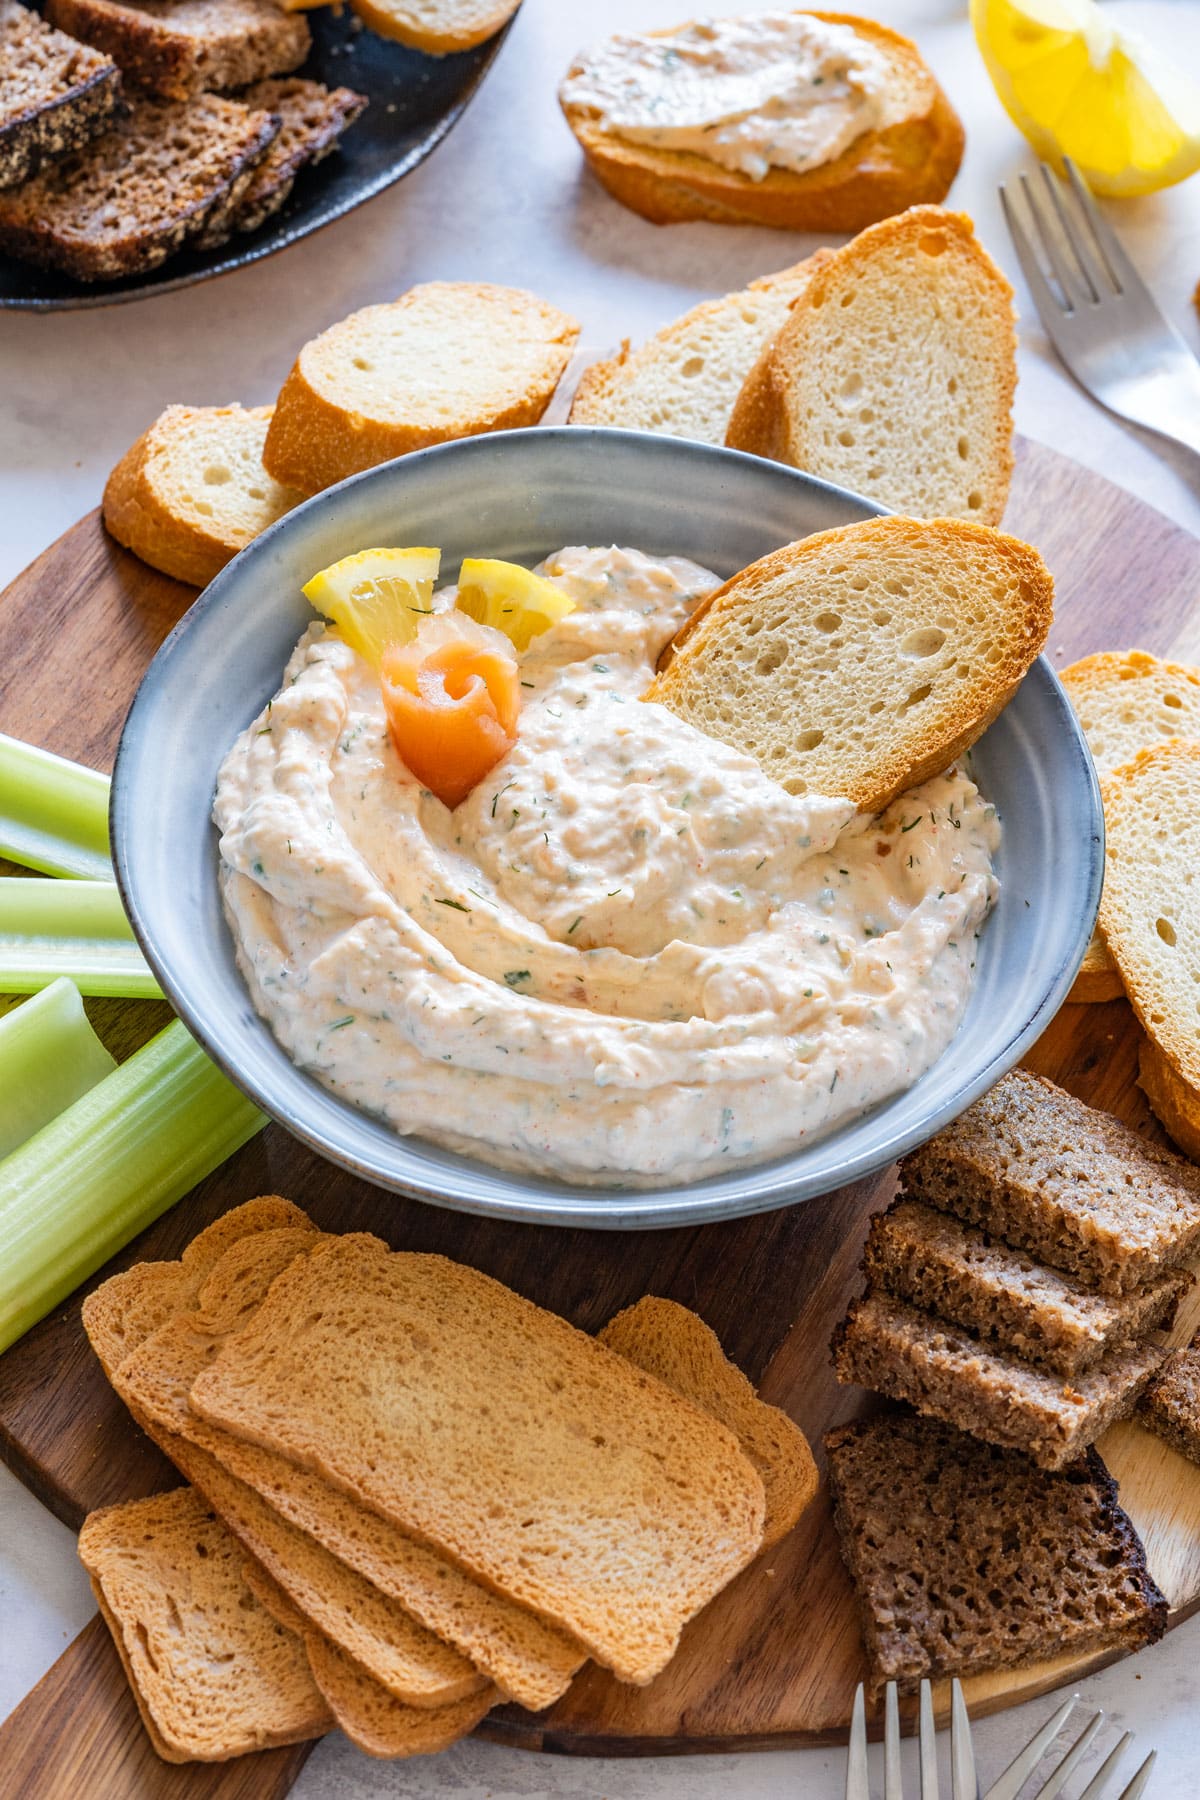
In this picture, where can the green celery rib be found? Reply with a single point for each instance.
(106, 1168)
(72, 928)
(53, 813)
(49, 1058)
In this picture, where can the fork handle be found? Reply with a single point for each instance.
(1168, 403)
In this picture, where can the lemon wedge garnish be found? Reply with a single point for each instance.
(376, 598)
(1078, 87)
(510, 599)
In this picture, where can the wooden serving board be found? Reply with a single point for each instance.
(775, 1658)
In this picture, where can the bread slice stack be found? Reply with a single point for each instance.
(894, 372)
(1031, 1316)
(454, 1513)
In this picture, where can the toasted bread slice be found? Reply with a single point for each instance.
(192, 491)
(1150, 908)
(130, 198)
(1127, 701)
(677, 1347)
(685, 379)
(584, 1489)
(439, 27)
(1175, 1104)
(446, 360)
(214, 1672)
(55, 94)
(312, 119)
(913, 155)
(862, 660)
(177, 48)
(895, 372)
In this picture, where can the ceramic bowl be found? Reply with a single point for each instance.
(519, 495)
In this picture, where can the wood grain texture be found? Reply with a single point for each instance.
(775, 1658)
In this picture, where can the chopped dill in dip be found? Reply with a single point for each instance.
(629, 956)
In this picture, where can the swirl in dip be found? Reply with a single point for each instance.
(629, 957)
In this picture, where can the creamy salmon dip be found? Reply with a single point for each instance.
(772, 91)
(629, 957)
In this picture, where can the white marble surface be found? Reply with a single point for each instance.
(505, 199)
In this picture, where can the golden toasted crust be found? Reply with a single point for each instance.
(503, 352)
(910, 159)
(817, 397)
(1098, 979)
(842, 575)
(439, 27)
(1174, 1103)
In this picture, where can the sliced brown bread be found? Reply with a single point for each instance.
(913, 154)
(439, 27)
(1127, 701)
(897, 1350)
(685, 379)
(585, 1489)
(312, 119)
(678, 1348)
(966, 1558)
(1150, 907)
(862, 660)
(1006, 1299)
(895, 372)
(55, 94)
(1175, 1104)
(1031, 1164)
(127, 200)
(177, 48)
(192, 491)
(1171, 1404)
(447, 360)
(125, 1309)
(214, 1671)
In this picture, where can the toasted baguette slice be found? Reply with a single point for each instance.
(312, 119)
(1174, 1103)
(685, 379)
(214, 1672)
(55, 94)
(192, 491)
(446, 360)
(177, 48)
(960, 1554)
(862, 660)
(439, 27)
(584, 1489)
(1127, 701)
(678, 1348)
(1150, 907)
(895, 372)
(912, 156)
(129, 199)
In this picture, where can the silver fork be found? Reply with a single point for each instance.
(1098, 312)
(964, 1785)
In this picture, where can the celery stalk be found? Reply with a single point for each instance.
(49, 1058)
(73, 928)
(106, 1168)
(53, 813)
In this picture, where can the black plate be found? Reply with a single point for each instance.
(414, 99)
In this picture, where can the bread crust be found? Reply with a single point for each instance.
(401, 23)
(1174, 1103)
(896, 166)
(1098, 979)
(762, 421)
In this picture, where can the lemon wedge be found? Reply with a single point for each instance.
(377, 597)
(1079, 87)
(510, 599)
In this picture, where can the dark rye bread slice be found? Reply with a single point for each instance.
(1171, 1403)
(125, 202)
(55, 94)
(177, 48)
(311, 120)
(942, 1371)
(1004, 1297)
(966, 1558)
(1034, 1166)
